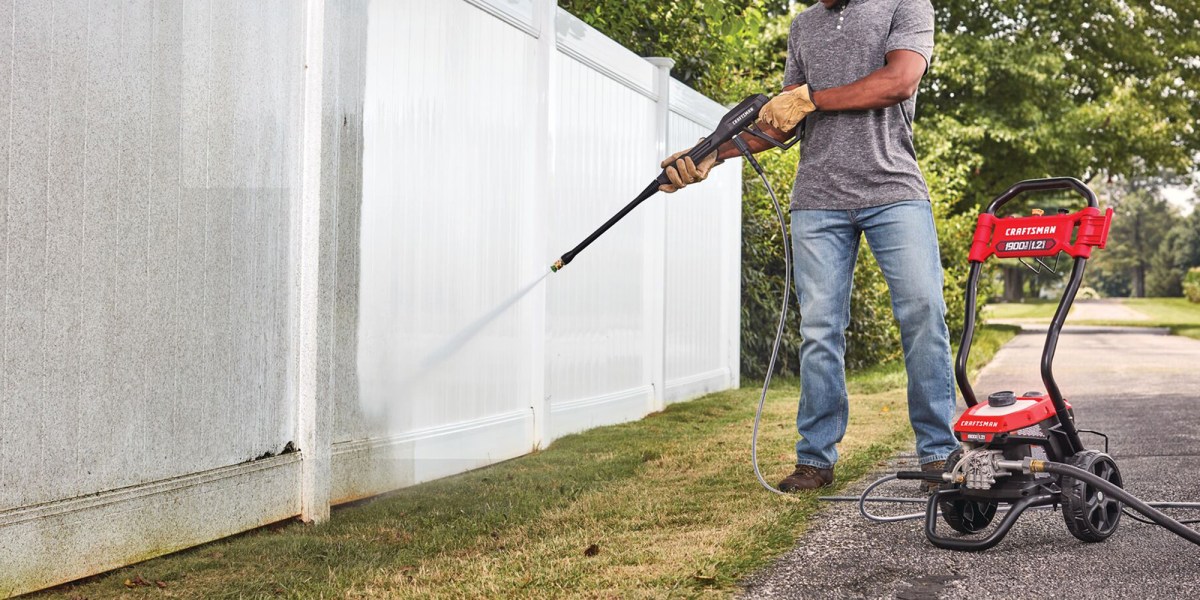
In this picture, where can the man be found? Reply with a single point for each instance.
(850, 81)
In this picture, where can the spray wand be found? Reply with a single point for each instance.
(738, 120)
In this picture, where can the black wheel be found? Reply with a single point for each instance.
(1091, 515)
(965, 515)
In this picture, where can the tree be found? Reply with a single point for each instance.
(1140, 225)
(1178, 252)
(722, 48)
(1077, 87)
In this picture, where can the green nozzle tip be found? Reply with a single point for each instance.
(558, 264)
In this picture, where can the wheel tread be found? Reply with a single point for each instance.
(1076, 511)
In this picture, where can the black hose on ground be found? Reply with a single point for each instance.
(1130, 500)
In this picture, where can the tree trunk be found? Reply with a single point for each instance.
(1014, 284)
(1139, 281)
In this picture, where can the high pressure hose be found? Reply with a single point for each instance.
(1115, 491)
(787, 296)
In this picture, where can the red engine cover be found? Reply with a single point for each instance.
(990, 420)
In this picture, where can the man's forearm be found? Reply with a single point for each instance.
(894, 83)
(876, 90)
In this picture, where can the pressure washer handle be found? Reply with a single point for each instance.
(697, 153)
(1044, 185)
(737, 120)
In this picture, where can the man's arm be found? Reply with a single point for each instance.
(894, 83)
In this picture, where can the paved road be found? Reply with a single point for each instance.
(1139, 386)
(1106, 309)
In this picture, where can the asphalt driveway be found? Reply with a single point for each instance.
(1142, 388)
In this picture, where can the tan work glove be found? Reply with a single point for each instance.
(682, 170)
(786, 110)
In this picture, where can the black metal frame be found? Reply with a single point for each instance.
(1056, 324)
(993, 538)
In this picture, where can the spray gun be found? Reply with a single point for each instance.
(739, 119)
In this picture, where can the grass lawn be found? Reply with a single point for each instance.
(1029, 309)
(663, 506)
(1178, 314)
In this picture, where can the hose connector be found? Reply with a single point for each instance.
(1026, 466)
(558, 264)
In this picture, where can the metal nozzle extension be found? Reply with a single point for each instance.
(558, 264)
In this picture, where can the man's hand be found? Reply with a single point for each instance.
(682, 170)
(786, 110)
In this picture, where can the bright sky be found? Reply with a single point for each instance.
(1182, 196)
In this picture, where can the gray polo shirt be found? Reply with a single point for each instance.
(856, 159)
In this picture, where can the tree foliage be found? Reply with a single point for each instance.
(1141, 221)
(720, 47)
(1076, 87)
(1191, 284)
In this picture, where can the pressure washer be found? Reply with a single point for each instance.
(1018, 452)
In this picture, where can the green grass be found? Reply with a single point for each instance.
(665, 506)
(1177, 314)
(1029, 309)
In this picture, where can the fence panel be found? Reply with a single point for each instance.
(447, 177)
(596, 313)
(149, 185)
(703, 254)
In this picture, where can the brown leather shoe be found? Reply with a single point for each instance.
(937, 466)
(806, 477)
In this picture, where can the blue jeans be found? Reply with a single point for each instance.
(904, 241)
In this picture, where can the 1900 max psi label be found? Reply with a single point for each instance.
(1025, 245)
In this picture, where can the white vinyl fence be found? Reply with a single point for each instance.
(255, 256)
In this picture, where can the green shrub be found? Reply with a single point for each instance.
(763, 269)
(1191, 284)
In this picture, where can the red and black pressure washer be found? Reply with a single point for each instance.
(1022, 451)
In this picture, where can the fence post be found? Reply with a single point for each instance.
(731, 284)
(655, 277)
(313, 418)
(536, 260)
